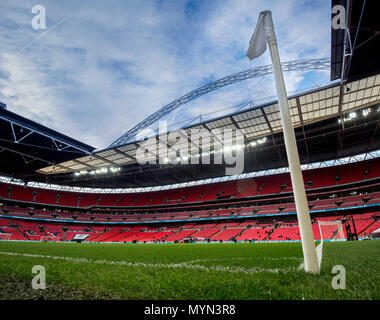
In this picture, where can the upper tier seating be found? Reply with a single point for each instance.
(275, 184)
(261, 208)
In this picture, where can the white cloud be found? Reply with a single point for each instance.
(111, 64)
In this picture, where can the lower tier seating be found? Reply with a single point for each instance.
(251, 230)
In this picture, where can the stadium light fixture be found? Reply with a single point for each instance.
(97, 171)
(366, 112)
(227, 148)
(240, 146)
(253, 144)
(353, 115)
(262, 140)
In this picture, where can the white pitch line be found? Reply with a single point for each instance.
(155, 265)
(243, 258)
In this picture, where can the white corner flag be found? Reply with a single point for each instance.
(264, 34)
(258, 42)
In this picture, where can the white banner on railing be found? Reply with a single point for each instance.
(80, 236)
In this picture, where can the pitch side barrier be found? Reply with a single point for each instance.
(189, 220)
(171, 242)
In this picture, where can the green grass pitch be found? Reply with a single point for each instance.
(186, 271)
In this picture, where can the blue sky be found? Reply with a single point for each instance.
(100, 67)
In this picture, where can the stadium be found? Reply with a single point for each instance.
(106, 225)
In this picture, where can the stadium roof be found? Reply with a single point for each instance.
(297, 65)
(259, 121)
(355, 50)
(27, 146)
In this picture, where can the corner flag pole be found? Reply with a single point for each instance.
(265, 34)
